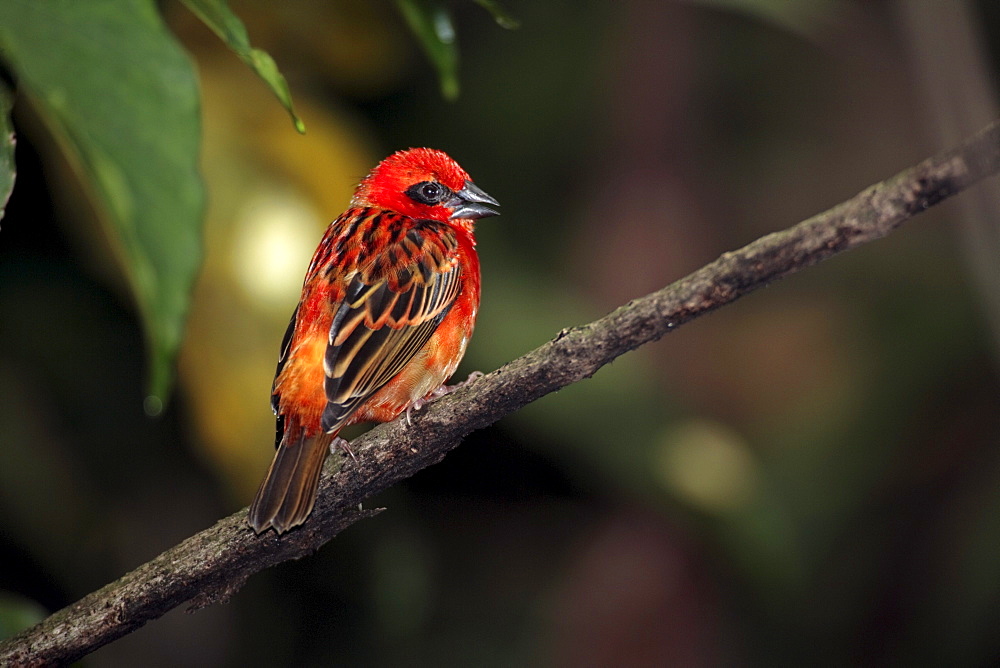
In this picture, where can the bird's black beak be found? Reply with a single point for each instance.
(470, 202)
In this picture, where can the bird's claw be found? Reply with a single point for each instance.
(438, 393)
(344, 445)
(473, 377)
(415, 406)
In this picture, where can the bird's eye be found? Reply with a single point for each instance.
(427, 192)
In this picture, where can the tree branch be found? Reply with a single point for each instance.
(213, 564)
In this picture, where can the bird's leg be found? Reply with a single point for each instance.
(440, 392)
(344, 445)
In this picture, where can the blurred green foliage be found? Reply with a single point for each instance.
(121, 97)
(7, 169)
(431, 23)
(217, 16)
(18, 613)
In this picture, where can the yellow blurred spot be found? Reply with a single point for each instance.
(276, 239)
(708, 465)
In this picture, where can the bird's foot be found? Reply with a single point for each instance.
(448, 389)
(440, 392)
(344, 445)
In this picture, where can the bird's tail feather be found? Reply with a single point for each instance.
(288, 493)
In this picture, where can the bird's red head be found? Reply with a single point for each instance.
(424, 183)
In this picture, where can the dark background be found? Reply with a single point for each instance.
(808, 476)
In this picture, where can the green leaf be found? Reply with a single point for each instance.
(7, 170)
(807, 19)
(500, 15)
(431, 22)
(18, 613)
(121, 96)
(217, 16)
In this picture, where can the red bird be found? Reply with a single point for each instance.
(387, 307)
